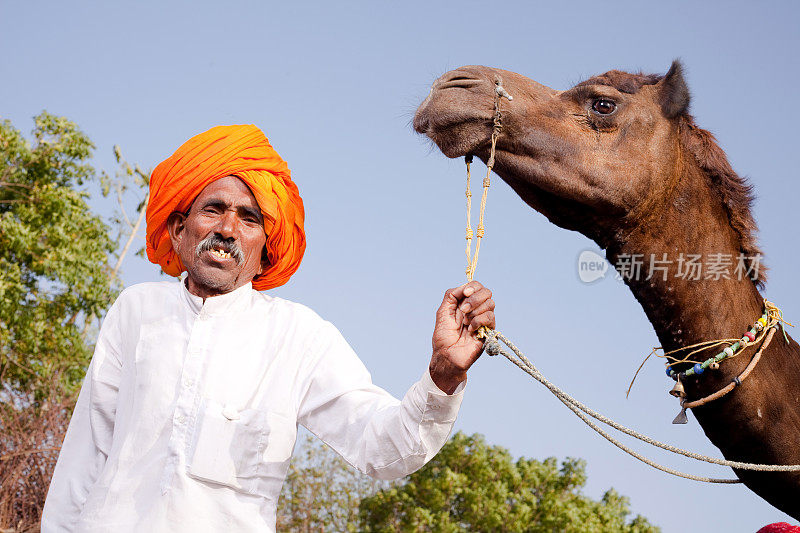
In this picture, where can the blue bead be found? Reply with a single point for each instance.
(698, 369)
(669, 371)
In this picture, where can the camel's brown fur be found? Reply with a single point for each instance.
(734, 191)
(644, 180)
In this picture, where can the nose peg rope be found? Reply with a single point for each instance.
(493, 338)
(472, 258)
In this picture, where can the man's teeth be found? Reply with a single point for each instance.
(221, 253)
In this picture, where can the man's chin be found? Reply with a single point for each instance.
(211, 281)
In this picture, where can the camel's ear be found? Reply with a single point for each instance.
(673, 93)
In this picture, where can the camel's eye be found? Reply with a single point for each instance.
(604, 106)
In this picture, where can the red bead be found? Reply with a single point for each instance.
(750, 336)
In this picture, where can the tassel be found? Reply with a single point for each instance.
(681, 418)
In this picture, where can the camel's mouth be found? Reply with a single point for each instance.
(456, 139)
(457, 113)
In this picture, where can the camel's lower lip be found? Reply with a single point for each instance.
(457, 148)
(452, 136)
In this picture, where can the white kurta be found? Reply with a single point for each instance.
(188, 415)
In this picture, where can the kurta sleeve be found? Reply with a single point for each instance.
(378, 434)
(88, 440)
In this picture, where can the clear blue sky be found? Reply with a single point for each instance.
(334, 86)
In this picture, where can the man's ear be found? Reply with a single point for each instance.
(176, 223)
(265, 264)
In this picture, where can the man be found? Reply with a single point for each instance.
(187, 418)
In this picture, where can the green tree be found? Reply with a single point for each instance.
(471, 486)
(322, 492)
(55, 254)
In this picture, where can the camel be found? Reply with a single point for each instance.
(619, 158)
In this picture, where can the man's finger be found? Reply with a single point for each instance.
(484, 319)
(449, 307)
(455, 297)
(467, 289)
(450, 300)
(476, 300)
(488, 305)
(472, 287)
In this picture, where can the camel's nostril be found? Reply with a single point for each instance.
(462, 83)
(458, 74)
(457, 78)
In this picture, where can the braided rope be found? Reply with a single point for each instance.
(472, 259)
(493, 347)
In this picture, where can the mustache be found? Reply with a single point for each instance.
(216, 242)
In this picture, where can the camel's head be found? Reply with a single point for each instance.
(589, 158)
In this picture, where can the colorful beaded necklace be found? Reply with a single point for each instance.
(763, 329)
(729, 351)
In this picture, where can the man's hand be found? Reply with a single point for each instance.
(455, 347)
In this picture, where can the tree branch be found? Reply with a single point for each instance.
(122, 255)
(122, 207)
(28, 452)
(12, 184)
(131, 237)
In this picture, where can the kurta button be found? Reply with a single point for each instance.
(230, 413)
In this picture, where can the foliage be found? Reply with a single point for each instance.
(55, 253)
(471, 486)
(468, 486)
(322, 491)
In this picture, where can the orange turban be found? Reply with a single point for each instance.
(241, 151)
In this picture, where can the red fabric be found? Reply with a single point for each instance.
(222, 151)
(779, 527)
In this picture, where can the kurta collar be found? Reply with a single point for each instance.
(236, 300)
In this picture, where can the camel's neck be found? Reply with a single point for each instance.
(759, 422)
(697, 289)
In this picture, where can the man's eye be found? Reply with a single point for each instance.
(604, 106)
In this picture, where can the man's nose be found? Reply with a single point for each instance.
(227, 224)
